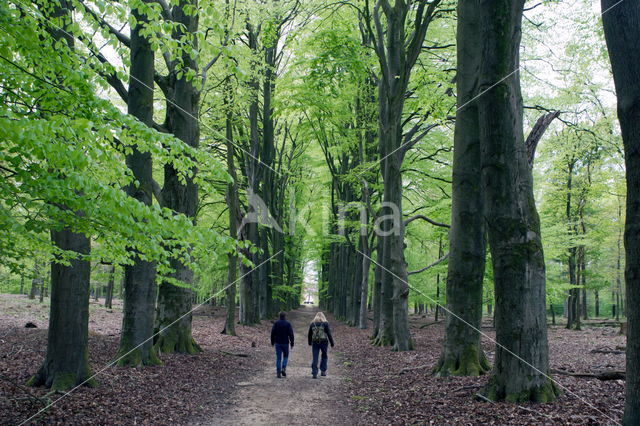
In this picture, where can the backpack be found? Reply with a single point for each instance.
(317, 333)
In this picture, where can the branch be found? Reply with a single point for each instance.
(423, 217)
(112, 78)
(103, 23)
(536, 134)
(157, 191)
(408, 142)
(166, 10)
(163, 83)
(437, 262)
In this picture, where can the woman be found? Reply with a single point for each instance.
(319, 339)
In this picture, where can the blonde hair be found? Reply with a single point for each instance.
(319, 317)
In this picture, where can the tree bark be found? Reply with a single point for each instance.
(521, 362)
(622, 32)
(384, 335)
(232, 204)
(536, 134)
(108, 298)
(35, 280)
(462, 354)
(136, 339)
(67, 361)
(173, 318)
(249, 284)
(377, 293)
(366, 261)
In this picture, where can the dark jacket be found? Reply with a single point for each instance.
(327, 331)
(282, 333)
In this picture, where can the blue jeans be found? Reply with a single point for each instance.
(315, 350)
(281, 362)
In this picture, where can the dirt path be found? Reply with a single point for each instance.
(296, 399)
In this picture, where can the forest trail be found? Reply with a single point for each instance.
(296, 399)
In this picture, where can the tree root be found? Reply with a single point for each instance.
(547, 392)
(602, 375)
(470, 362)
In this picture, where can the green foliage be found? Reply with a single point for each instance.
(62, 158)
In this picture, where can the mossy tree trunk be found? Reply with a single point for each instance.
(462, 354)
(622, 31)
(173, 322)
(521, 363)
(136, 339)
(384, 287)
(66, 362)
(173, 319)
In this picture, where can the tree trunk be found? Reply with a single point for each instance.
(615, 311)
(249, 284)
(366, 263)
(377, 292)
(43, 288)
(263, 273)
(173, 319)
(136, 339)
(462, 354)
(585, 303)
(108, 297)
(384, 336)
(573, 304)
(249, 313)
(35, 280)
(521, 361)
(66, 363)
(596, 299)
(622, 32)
(397, 49)
(396, 276)
(267, 278)
(232, 204)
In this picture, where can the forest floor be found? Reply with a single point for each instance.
(233, 380)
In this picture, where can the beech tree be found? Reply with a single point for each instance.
(521, 364)
(462, 353)
(622, 32)
(397, 49)
(66, 363)
(140, 291)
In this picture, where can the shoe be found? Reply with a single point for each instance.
(324, 373)
(278, 374)
(315, 376)
(284, 372)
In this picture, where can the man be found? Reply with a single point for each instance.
(281, 336)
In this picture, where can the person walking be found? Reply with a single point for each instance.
(281, 336)
(319, 339)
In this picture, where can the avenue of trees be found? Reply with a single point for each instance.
(395, 156)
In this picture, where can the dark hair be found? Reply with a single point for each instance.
(282, 315)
